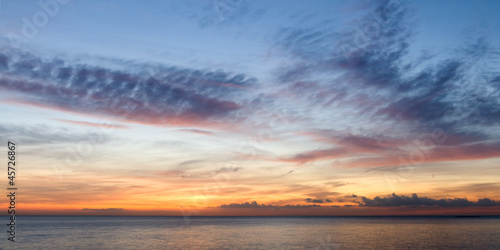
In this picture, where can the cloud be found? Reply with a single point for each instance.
(227, 170)
(190, 162)
(299, 206)
(346, 145)
(438, 154)
(474, 187)
(254, 204)
(226, 13)
(316, 155)
(322, 194)
(42, 134)
(358, 143)
(373, 59)
(335, 184)
(182, 170)
(153, 94)
(309, 200)
(385, 151)
(197, 131)
(103, 209)
(372, 76)
(415, 201)
(92, 124)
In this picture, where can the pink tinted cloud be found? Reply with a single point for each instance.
(371, 152)
(91, 124)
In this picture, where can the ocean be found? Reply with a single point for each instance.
(106, 232)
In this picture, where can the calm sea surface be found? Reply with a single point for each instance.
(66, 232)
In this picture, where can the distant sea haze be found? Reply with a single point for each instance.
(136, 232)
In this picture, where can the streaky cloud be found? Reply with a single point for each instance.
(162, 95)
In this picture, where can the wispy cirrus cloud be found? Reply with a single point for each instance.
(383, 150)
(92, 124)
(197, 131)
(39, 134)
(368, 71)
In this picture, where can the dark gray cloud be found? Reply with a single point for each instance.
(310, 200)
(254, 204)
(139, 92)
(473, 187)
(103, 209)
(415, 201)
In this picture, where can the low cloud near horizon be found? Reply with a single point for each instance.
(395, 200)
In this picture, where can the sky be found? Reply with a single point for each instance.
(236, 107)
